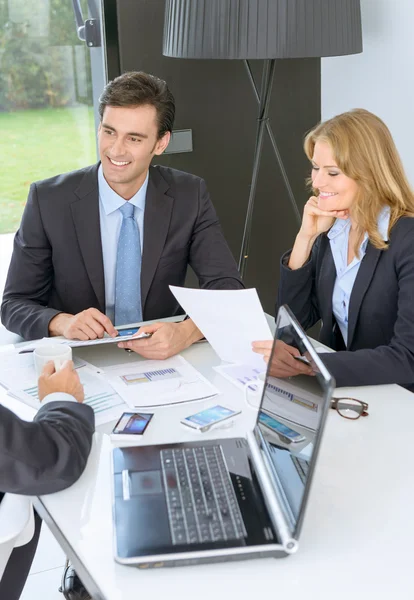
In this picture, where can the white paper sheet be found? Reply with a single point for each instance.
(230, 320)
(18, 375)
(241, 375)
(158, 383)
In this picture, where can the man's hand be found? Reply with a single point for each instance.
(65, 380)
(167, 339)
(283, 362)
(89, 324)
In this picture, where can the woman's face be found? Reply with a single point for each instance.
(336, 190)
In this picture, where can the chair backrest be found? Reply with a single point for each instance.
(16, 525)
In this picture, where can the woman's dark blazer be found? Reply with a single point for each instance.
(380, 346)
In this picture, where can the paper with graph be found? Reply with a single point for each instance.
(159, 382)
(18, 376)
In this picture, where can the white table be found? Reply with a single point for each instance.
(357, 536)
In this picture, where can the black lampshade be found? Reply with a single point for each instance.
(248, 29)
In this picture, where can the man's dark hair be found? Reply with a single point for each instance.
(137, 88)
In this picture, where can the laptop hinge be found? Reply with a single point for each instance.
(290, 545)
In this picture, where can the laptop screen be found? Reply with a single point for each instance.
(291, 417)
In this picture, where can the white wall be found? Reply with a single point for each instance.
(381, 79)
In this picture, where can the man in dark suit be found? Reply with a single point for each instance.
(77, 270)
(43, 456)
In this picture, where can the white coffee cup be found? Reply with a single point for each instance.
(58, 353)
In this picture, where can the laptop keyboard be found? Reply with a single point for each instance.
(202, 504)
(302, 467)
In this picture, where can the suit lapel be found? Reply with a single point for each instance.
(85, 213)
(327, 276)
(362, 282)
(157, 217)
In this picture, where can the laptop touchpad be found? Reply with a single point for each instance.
(145, 482)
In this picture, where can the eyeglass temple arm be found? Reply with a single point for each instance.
(334, 404)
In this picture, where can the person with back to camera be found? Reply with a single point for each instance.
(43, 456)
(352, 263)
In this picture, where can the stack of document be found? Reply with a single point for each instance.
(18, 376)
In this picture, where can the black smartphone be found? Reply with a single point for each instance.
(131, 424)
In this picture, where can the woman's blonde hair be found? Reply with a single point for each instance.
(364, 150)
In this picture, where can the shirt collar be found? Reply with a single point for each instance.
(383, 223)
(340, 226)
(111, 201)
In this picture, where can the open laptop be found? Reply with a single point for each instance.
(227, 499)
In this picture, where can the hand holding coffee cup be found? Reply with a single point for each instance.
(57, 353)
(66, 381)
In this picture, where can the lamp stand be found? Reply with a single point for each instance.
(262, 124)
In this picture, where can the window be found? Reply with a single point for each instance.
(46, 99)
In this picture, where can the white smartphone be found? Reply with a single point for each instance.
(206, 418)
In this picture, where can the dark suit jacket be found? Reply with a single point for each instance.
(380, 346)
(36, 458)
(57, 263)
(47, 455)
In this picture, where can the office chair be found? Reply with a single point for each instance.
(16, 525)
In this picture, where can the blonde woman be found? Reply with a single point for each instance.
(352, 263)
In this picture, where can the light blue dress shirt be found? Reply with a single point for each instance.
(346, 274)
(111, 220)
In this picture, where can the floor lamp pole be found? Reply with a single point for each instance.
(276, 151)
(262, 124)
(267, 81)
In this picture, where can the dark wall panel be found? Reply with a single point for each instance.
(215, 99)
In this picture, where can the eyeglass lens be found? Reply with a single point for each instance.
(349, 408)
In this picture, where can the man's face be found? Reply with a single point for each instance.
(127, 140)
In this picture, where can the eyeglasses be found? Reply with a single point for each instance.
(350, 408)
